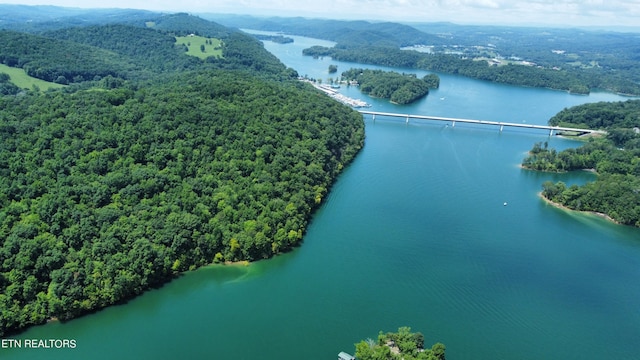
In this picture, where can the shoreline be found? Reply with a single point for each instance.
(594, 213)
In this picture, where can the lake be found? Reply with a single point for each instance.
(414, 233)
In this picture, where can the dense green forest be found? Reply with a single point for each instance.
(118, 184)
(399, 88)
(568, 80)
(36, 19)
(6, 86)
(615, 158)
(574, 60)
(80, 54)
(345, 32)
(397, 346)
(601, 115)
(59, 61)
(275, 38)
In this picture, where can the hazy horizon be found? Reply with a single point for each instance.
(557, 13)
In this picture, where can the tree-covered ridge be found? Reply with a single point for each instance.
(37, 19)
(81, 54)
(182, 24)
(615, 158)
(402, 345)
(104, 193)
(275, 38)
(150, 50)
(344, 32)
(57, 60)
(569, 80)
(567, 59)
(399, 88)
(600, 115)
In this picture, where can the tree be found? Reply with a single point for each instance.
(400, 345)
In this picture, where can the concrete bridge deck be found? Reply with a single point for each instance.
(500, 124)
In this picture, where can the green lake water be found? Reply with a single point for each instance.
(414, 233)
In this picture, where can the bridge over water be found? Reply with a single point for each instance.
(499, 124)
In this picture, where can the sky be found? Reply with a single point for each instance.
(614, 13)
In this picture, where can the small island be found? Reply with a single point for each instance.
(278, 39)
(398, 88)
(614, 158)
(400, 345)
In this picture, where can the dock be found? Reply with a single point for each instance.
(336, 95)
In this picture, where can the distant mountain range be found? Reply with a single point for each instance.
(41, 18)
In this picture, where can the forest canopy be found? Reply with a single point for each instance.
(114, 187)
(398, 88)
(399, 345)
(615, 158)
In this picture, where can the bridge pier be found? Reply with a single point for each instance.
(552, 129)
(374, 117)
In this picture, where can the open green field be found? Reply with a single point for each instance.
(24, 81)
(201, 47)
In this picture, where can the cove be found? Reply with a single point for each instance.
(413, 233)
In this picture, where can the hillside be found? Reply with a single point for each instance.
(37, 19)
(573, 60)
(118, 184)
(59, 61)
(345, 33)
(615, 158)
(131, 52)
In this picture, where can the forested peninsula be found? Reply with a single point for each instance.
(573, 60)
(398, 88)
(401, 345)
(135, 173)
(615, 159)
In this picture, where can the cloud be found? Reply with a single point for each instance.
(499, 12)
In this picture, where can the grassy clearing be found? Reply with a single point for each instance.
(24, 81)
(201, 47)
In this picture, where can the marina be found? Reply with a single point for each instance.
(334, 94)
(414, 227)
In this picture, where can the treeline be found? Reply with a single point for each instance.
(81, 54)
(348, 33)
(6, 86)
(399, 88)
(183, 24)
(150, 50)
(37, 19)
(57, 60)
(600, 115)
(615, 158)
(452, 64)
(613, 195)
(400, 345)
(275, 38)
(106, 193)
(566, 59)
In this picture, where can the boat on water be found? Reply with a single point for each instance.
(345, 356)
